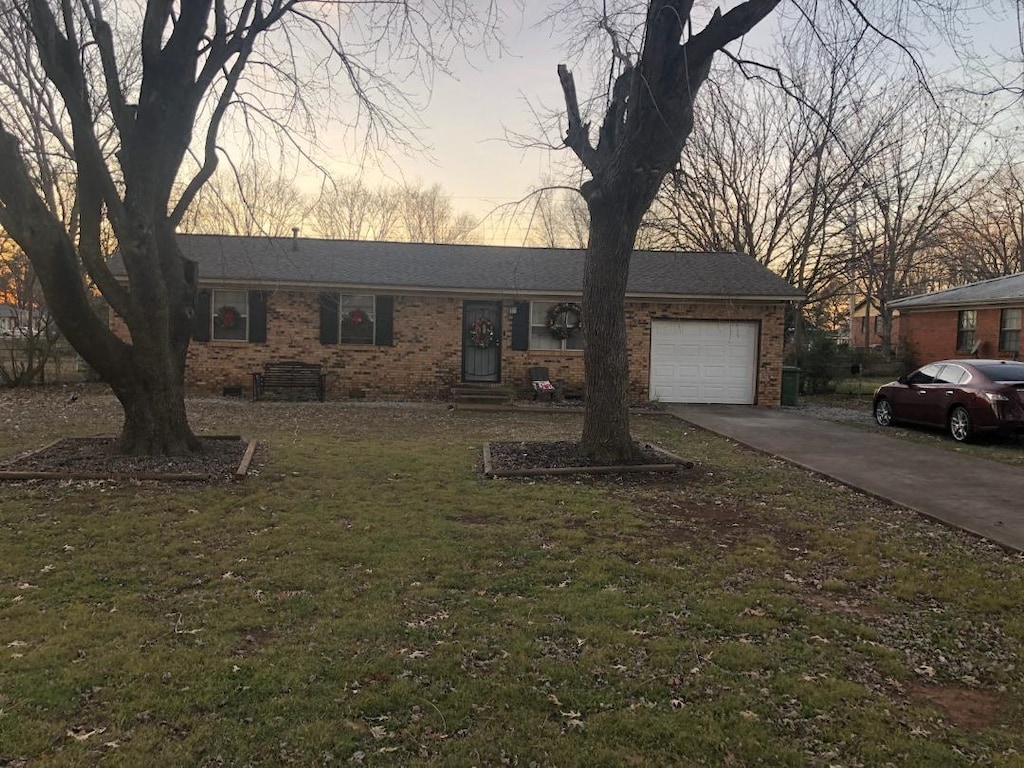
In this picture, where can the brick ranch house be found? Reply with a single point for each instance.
(396, 320)
(981, 319)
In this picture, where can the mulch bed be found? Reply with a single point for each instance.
(97, 457)
(565, 457)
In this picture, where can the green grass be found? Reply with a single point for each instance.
(368, 598)
(860, 386)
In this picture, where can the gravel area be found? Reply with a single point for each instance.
(835, 413)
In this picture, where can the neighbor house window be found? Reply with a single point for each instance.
(541, 336)
(1009, 330)
(229, 315)
(358, 318)
(966, 321)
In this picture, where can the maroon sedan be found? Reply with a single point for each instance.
(964, 396)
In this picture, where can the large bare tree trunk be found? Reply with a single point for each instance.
(647, 121)
(606, 434)
(155, 422)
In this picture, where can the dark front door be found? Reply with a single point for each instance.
(481, 341)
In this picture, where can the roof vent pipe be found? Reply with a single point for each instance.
(295, 238)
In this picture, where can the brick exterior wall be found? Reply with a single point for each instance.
(930, 336)
(426, 358)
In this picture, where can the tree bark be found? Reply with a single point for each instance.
(155, 422)
(606, 434)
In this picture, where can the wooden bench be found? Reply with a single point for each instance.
(290, 374)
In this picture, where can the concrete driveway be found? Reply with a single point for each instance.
(976, 495)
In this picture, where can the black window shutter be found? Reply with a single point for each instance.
(257, 316)
(201, 325)
(521, 326)
(329, 318)
(385, 331)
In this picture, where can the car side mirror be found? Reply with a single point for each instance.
(903, 380)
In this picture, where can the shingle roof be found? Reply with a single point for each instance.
(999, 290)
(466, 268)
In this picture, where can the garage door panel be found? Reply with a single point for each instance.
(703, 361)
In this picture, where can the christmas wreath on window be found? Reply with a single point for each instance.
(228, 317)
(565, 319)
(481, 333)
(358, 316)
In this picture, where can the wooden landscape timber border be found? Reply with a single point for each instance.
(14, 474)
(673, 464)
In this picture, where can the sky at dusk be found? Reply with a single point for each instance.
(469, 115)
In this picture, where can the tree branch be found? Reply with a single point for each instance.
(577, 137)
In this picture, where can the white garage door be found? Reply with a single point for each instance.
(703, 361)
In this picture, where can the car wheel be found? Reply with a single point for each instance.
(883, 412)
(960, 424)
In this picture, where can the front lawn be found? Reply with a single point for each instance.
(369, 599)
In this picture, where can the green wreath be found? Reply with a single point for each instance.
(560, 319)
(481, 333)
(228, 317)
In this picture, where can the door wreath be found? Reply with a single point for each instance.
(481, 333)
(565, 319)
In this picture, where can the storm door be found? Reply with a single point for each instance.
(481, 341)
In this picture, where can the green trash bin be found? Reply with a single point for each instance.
(790, 384)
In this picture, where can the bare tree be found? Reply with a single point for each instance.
(984, 237)
(32, 339)
(132, 90)
(428, 216)
(648, 115)
(254, 200)
(554, 218)
(912, 188)
(657, 66)
(350, 210)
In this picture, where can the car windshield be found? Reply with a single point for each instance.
(1002, 371)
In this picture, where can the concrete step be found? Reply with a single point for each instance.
(466, 395)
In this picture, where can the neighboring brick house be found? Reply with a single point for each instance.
(410, 320)
(981, 320)
(863, 318)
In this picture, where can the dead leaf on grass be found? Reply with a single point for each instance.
(81, 733)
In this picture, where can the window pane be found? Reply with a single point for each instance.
(541, 338)
(951, 374)
(230, 315)
(924, 376)
(357, 318)
(1004, 371)
(539, 312)
(1011, 320)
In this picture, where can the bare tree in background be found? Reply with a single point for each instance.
(255, 200)
(427, 215)
(984, 237)
(555, 218)
(32, 341)
(131, 91)
(348, 209)
(911, 189)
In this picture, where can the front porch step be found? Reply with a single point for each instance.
(480, 396)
